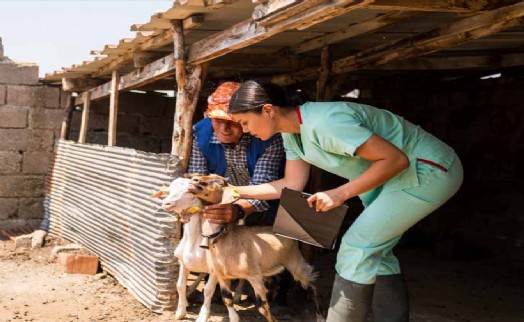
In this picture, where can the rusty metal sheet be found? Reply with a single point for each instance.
(98, 196)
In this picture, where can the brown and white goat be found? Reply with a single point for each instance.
(241, 252)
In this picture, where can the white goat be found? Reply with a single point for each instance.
(239, 252)
(191, 256)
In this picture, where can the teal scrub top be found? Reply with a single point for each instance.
(331, 132)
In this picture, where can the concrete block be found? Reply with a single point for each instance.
(36, 162)
(3, 92)
(141, 143)
(13, 117)
(21, 186)
(26, 96)
(18, 73)
(157, 126)
(41, 118)
(10, 162)
(74, 263)
(8, 208)
(23, 241)
(26, 140)
(51, 97)
(31, 208)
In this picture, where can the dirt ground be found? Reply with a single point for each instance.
(33, 289)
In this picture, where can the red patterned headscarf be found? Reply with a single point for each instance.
(218, 102)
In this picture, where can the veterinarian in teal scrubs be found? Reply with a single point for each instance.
(399, 171)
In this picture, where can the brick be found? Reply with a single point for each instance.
(26, 140)
(21, 186)
(23, 241)
(25, 96)
(8, 208)
(3, 91)
(10, 162)
(41, 118)
(18, 73)
(31, 208)
(74, 263)
(36, 162)
(13, 117)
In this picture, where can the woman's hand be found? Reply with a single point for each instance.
(326, 200)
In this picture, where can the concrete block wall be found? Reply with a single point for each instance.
(30, 120)
(145, 122)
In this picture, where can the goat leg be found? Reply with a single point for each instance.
(261, 298)
(227, 297)
(209, 290)
(181, 286)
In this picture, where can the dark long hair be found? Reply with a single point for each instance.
(253, 95)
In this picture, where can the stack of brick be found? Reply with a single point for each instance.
(30, 120)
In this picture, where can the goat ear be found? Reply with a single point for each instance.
(188, 175)
(159, 194)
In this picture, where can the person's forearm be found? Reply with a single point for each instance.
(378, 174)
(268, 191)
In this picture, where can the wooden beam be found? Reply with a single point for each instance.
(163, 39)
(179, 52)
(463, 6)
(353, 30)
(144, 58)
(85, 118)
(481, 62)
(456, 33)
(278, 10)
(247, 33)
(78, 84)
(66, 121)
(113, 109)
(325, 70)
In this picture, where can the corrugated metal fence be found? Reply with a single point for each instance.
(98, 196)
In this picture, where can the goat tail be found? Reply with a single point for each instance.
(302, 272)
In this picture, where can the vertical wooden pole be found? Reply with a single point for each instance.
(67, 116)
(188, 89)
(113, 109)
(85, 117)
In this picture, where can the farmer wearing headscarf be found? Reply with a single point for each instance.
(220, 147)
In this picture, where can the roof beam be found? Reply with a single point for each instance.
(353, 30)
(248, 32)
(486, 62)
(454, 34)
(439, 5)
(163, 39)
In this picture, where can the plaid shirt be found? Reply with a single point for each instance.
(266, 169)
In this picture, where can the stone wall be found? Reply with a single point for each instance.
(30, 119)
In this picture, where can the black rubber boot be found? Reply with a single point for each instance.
(390, 299)
(350, 301)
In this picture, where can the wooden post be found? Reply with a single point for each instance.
(325, 70)
(188, 89)
(113, 109)
(85, 117)
(67, 117)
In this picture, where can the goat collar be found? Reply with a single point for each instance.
(214, 237)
